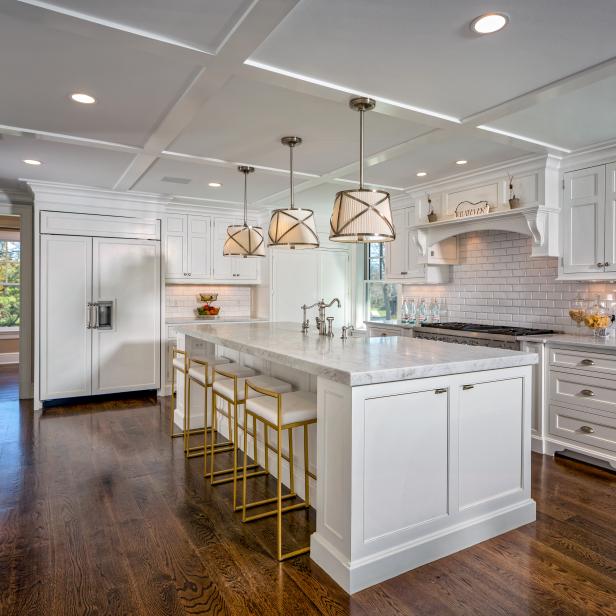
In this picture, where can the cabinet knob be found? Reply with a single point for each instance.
(587, 362)
(588, 393)
(599, 264)
(606, 264)
(383, 334)
(587, 429)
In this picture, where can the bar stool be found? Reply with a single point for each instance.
(178, 361)
(198, 368)
(231, 371)
(280, 411)
(232, 389)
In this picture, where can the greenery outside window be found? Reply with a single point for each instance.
(9, 284)
(381, 298)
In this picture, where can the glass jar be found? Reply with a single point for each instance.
(412, 312)
(422, 311)
(599, 319)
(404, 312)
(435, 311)
(577, 311)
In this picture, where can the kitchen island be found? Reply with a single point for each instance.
(422, 447)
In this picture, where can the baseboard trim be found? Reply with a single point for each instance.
(365, 572)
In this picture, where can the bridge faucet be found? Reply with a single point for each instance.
(305, 321)
(321, 319)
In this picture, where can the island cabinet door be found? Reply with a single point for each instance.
(405, 461)
(491, 442)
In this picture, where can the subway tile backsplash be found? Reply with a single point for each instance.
(182, 300)
(498, 282)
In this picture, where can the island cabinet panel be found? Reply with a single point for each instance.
(490, 441)
(417, 433)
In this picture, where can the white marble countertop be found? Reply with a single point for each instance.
(356, 361)
(186, 320)
(583, 340)
(390, 323)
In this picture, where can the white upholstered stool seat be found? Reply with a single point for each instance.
(224, 386)
(296, 406)
(197, 370)
(179, 363)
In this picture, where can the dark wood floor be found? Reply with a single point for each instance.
(100, 514)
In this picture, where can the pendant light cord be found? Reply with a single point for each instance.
(245, 198)
(292, 185)
(361, 149)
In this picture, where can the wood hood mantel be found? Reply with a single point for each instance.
(535, 221)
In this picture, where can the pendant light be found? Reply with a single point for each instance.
(362, 214)
(244, 240)
(292, 227)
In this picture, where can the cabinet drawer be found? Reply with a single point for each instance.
(583, 390)
(583, 427)
(385, 331)
(593, 363)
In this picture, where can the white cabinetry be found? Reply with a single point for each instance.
(582, 403)
(99, 315)
(304, 277)
(589, 219)
(231, 269)
(188, 247)
(403, 261)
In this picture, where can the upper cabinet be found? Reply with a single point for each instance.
(193, 252)
(589, 219)
(187, 247)
(403, 261)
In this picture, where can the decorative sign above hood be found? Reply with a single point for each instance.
(468, 208)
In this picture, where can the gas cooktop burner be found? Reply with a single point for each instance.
(501, 330)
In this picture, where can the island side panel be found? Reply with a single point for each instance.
(414, 470)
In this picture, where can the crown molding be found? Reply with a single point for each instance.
(596, 154)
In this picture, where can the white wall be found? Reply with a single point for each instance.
(497, 282)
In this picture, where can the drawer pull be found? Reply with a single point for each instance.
(465, 387)
(588, 393)
(587, 429)
(383, 334)
(587, 362)
(440, 391)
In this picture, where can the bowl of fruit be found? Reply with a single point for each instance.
(207, 311)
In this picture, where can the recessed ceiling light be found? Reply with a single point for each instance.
(461, 162)
(214, 184)
(489, 23)
(32, 161)
(421, 174)
(84, 99)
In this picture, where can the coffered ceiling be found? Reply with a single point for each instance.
(187, 89)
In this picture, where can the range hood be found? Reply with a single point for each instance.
(535, 221)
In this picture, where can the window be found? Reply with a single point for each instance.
(9, 284)
(381, 298)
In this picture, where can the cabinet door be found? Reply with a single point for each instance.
(293, 270)
(610, 218)
(66, 289)
(199, 247)
(334, 277)
(490, 440)
(584, 219)
(126, 357)
(223, 266)
(415, 268)
(176, 248)
(397, 252)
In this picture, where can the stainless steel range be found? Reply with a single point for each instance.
(499, 336)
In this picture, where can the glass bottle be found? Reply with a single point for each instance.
(435, 311)
(404, 312)
(412, 312)
(422, 311)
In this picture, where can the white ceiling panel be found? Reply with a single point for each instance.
(246, 119)
(260, 183)
(61, 163)
(423, 53)
(42, 66)
(438, 160)
(574, 120)
(198, 24)
(318, 198)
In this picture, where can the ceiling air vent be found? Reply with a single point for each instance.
(173, 180)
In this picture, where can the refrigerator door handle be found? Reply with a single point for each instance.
(103, 311)
(89, 315)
